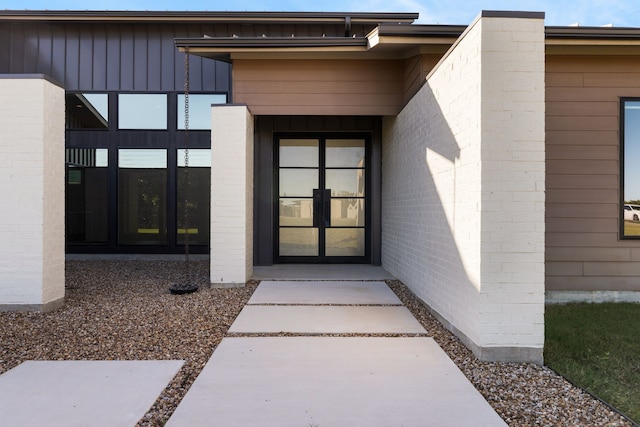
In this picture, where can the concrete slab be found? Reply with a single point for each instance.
(82, 393)
(329, 381)
(321, 272)
(324, 292)
(326, 319)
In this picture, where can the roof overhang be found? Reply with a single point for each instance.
(592, 41)
(383, 42)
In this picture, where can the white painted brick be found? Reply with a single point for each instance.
(463, 188)
(32, 193)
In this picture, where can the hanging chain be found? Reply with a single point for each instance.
(187, 182)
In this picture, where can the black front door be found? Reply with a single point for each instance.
(322, 213)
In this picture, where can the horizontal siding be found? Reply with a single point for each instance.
(318, 87)
(583, 248)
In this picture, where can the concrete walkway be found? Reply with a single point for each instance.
(381, 369)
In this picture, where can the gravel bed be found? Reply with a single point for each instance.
(122, 310)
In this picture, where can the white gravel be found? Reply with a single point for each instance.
(123, 310)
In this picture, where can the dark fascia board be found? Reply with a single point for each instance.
(269, 42)
(205, 16)
(593, 33)
(511, 14)
(416, 30)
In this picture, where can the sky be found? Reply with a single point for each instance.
(620, 13)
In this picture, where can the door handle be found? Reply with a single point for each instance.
(317, 207)
(327, 208)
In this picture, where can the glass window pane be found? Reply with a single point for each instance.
(296, 212)
(198, 198)
(298, 182)
(87, 111)
(142, 197)
(347, 213)
(298, 241)
(345, 182)
(142, 111)
(348, 153)
(142, 158)
(199, 110)
(86, 195)
(299, 153)
(198, 158)
(344, 242)
(631, 206)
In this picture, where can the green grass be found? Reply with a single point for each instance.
(631, 228)
(597, 346)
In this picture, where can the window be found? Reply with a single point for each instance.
(199, 110)
(142, 111)
(630, 153)
(87, 111)
(142, 196)
(86, 195)
(198, 196)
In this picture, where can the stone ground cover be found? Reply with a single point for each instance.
(123, 310)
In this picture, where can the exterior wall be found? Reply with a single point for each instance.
(463, 190)
(115, 57)
(231, 195)
(416, 69)
(319, 87)
(584, 253)
(32, 194)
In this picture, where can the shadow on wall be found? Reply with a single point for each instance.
(421, 206)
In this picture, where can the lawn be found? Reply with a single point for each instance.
(597, 347)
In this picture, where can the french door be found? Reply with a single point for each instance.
(322, 185)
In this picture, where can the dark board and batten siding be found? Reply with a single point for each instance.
(110, 57)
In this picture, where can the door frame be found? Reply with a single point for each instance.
(321, 258)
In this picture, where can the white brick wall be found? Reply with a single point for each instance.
(231, 195)
(463, 189)
(31, 194)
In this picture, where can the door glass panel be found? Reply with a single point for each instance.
(299, 153)
(345, 182)
(298, 241)
(347, 212)
(345, 153)
(344, 242)
(298, 182)
(296, 212)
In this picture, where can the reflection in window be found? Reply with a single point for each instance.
(86, 195)
(198, 196)
(199, 110)
(631, 177)
(87, 111)
(142, 197)
(142, 111)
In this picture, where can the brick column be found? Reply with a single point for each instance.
(231, 195)
(31, 193)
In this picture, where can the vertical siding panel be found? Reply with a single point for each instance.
(45, 49)
(5, 53)
(223, 78)
(178, 82)
(126, 58)
(85, 69)
(209, 75)
(58, 53)
(17, 49)
(72, 69)
(30, 50)
(113, 58)
(154, 65)
(140, 58)
(168, 53)
(99, 60)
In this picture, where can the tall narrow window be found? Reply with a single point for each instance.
(630, 216)
(142, 196)
(86, 195)
(198, 196)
